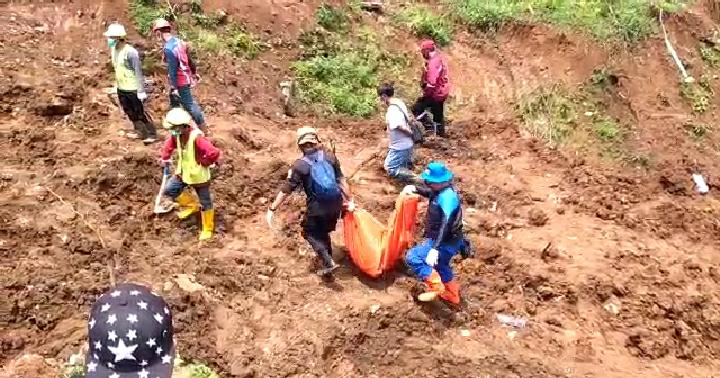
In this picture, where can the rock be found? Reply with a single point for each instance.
(58, 107)
(187, 283)
(537, 217)
(612, 305)
(374, 308)
(465, 333)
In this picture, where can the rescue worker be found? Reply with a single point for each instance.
(443, 239)
(195, 154)
(400, 149)
(182, 72)
(130, 83)
(318, 172)
(435, 85)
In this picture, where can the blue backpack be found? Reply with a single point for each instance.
(323, 182)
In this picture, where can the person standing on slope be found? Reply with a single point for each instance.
(400, 149)
(444, 238)
(318, 172)
(435, 85)
(130, 83)
(182, 72)
(195, 154)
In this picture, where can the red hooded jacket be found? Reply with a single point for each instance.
(205, 153)
(435, 78)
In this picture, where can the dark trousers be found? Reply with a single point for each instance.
(437, 108)
(316, 230)
(133, 107)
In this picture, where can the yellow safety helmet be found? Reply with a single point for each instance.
(176, 117)
(307, 135)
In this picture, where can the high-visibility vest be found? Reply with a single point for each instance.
(125, 76)
(188, 168)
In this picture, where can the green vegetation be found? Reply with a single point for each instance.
(607, 130)
(73, 371)
(711, 55)
(332, 19)
(625, 20)
(549, 114)
(200, 371)
(207, 33)
(422, 22)
(575, 118)
(338, 74)
(698, 94)
(144, 13)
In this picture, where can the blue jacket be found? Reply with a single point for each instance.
(444, 215)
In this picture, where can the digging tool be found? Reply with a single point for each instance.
(159, 209)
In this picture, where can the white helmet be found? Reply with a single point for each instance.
(115, 30)
(176, 117)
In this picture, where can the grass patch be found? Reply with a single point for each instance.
(332, 19)
(207, 33)
(549, 114)
(340, 75)
(697, 130)
(144, 13)
(424, 23)
(624, 20)
(710, 54)
(242, 43)
(607, 130)
(697, 94)
(574, 118)
(200, 371)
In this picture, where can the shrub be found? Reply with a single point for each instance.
(424, 23)
(332, 19)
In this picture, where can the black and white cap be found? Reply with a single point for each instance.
(130, 335)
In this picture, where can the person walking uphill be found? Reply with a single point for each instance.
(319, 174)
(430, 260)
(435, 85)
(130, 83)
(400, 150)
(195, 154)
(182, 72)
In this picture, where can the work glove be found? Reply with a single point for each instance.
(269, 217)
(351, 205)
(142, 96)
(432, 257)
(175, 93)
(165, 162)
(409, 189)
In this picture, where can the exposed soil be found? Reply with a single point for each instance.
(614, 267)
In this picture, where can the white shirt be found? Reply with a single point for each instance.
(396, 117)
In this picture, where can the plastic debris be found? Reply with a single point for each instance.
(511, 321)
(700, 183)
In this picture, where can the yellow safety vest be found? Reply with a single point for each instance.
(188, 168)
(125, 77)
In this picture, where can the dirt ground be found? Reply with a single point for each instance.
(614, 267)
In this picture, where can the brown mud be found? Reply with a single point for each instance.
(613, 266)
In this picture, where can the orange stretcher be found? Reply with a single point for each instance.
(376, 248)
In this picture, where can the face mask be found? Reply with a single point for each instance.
(175, 132)
(111, 43)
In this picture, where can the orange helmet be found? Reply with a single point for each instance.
(160, 23)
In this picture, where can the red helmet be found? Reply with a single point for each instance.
(160, 23)
(427, 44)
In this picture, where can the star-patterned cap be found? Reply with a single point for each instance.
(130, 335)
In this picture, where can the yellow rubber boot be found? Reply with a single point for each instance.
(188, 204)
(433, 288)
(208, 224)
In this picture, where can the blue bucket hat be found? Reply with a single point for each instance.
(436, 173)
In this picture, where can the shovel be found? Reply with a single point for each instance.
(159, 209)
